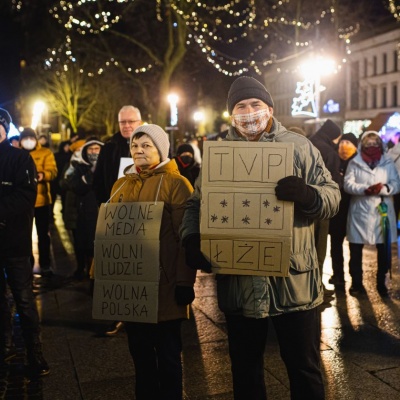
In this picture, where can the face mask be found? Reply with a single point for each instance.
(251, 125)
(92, 158)
(28, 144)
(186, 161)
(346, 150)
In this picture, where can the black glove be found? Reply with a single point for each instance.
(194, 257)
(293, 188)
(184, 295)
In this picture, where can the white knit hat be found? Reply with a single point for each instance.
(157, 135)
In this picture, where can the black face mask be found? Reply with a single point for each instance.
(186, 161)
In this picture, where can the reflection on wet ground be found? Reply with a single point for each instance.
(360, 341)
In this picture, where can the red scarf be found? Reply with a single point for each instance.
(371, 155)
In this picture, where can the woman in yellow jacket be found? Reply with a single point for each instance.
(156, 348)
(46, 171)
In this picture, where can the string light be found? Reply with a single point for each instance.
(394, 9)
(210, 28)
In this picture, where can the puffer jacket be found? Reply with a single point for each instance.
(364, 220)
(259, 297)
(163, 183)
(46, 164)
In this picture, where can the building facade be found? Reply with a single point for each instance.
(373, 83)
(363, 93)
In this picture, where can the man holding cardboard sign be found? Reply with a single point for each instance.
(288, 295)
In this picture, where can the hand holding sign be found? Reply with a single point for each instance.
(194, 256)
(294, 188)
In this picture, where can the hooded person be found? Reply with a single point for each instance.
(46, 172)
(371, 178)
(81, 209)
(5, 120)
(291, 302)
(156, 347)
(347, 149)
(186, 163)
(17, 200)
(325, 140)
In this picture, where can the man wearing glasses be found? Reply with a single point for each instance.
(114, 153)
(112, 158)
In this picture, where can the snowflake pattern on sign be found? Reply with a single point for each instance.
(244, 211)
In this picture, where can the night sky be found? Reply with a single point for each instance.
(19, 43)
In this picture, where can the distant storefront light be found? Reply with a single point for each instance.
(330, 107)
(357, 126)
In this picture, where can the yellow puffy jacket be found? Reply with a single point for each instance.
(46, 164)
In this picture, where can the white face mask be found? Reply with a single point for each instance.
(252, 124)
(28, 143)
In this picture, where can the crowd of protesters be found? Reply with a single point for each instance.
(341, 185)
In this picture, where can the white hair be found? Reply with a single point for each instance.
(131, 108)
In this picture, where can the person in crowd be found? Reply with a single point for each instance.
(290, 303)
(81, 208)
(114, 151)
(111, 160)
(185, 160)
(197, 152)
(156, 348)
(223, 131)
(14, 140)
(46, 171)
(325, 140)
(17, 202)
(337, 227)
(394, 154)
(44, 141)
(371, 177)
(62, 158)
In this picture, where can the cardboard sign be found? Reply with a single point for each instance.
(127, 261)
(244, 228)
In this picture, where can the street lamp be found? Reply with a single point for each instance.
(37, 113)
(198, 117)
(173, 101)
(173, 122)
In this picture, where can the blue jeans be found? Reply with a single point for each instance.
(17, 272)
(298, 335)
(156, 352)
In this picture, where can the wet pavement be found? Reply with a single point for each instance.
(360, 342)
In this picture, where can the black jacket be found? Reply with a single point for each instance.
(107, 167)
(329, 154)
(18, 182)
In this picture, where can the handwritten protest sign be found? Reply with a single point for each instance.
(127, 261)
(244, 228)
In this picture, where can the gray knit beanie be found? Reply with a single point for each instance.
(247, 87)
(157, 135)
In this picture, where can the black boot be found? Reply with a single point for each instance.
(7, 349)
(37, 365)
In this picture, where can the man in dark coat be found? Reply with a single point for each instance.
(18, 181)
(114, 152)
(112, 157)
(325, 140)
